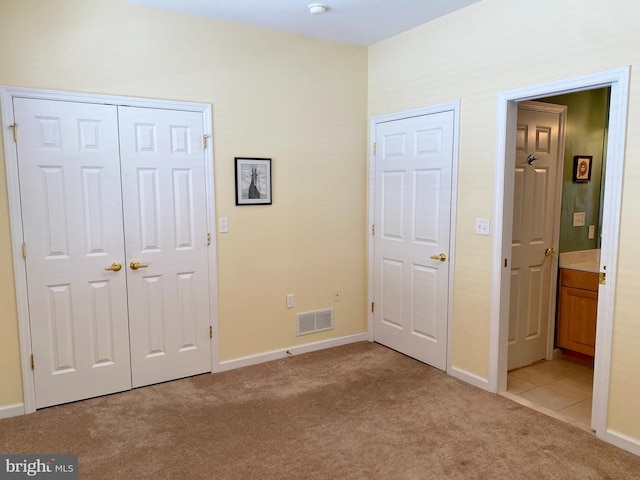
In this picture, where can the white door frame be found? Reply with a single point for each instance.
(417, 112)
(618, 80)
(7, 94)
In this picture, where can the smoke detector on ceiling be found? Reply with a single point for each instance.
(317, 8)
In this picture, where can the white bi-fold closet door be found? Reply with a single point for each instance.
(114, 225)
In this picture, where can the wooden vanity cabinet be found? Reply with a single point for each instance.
(578, 310)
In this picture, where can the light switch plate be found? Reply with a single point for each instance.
(579, 219)
(482, 226)
(592, 232)
(290, 303)
(223, 225)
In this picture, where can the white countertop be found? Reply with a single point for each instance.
(584, 260)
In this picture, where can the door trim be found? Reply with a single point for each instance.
(7, 94)
(618, 80)
(373, 123)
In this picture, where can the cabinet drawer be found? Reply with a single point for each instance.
(579, 279)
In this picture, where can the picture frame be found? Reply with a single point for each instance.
(253, 181)
(582, 168)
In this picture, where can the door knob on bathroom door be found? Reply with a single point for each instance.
(549, 252)
(442, 257)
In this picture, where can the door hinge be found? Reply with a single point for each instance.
(373, 229)
(208, 239)
(33, 364)
(210, 331)
(24, 251)
(373, 307)
(602, 277)
(15, 131)
(375, 148)
(204, 141)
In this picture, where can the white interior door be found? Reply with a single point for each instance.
(533, 259)
(72, 222)
(412, 205)
(163, 181)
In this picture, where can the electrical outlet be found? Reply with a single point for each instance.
(337, 295)
(290, 303)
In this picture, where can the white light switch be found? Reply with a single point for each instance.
(578, 219)
(223, 225)
(482, 226)
(592, 232)
(290, 303)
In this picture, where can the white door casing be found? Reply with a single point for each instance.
(7, 97)
(539, 152)
(164, 191)
(618, 80)
(412, 205)
(72, 216)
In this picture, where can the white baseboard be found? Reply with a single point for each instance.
(623, 441)
(470, 378)
(12, 410)
(282, 353)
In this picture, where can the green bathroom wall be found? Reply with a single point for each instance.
(587, 118)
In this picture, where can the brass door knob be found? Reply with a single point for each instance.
(442, 257)
(549, 252)
(135, 265)
(115, 267)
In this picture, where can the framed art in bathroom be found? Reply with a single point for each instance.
(253, 181)
(582, 168)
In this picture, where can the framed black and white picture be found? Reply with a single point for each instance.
(582, 168)
(253, 181)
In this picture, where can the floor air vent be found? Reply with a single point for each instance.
(312, 322)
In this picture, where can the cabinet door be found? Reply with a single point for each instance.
(577, 321)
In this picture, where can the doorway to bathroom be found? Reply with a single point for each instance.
(618, 81)
(555, 252)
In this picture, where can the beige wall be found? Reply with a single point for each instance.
(298, 100)
(473, 54)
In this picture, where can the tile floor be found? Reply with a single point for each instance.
(564, 386)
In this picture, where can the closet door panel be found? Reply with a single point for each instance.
(68, 160)
(163, 181)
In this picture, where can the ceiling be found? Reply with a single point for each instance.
(362, 22)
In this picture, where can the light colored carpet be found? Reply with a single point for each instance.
(360, 411)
